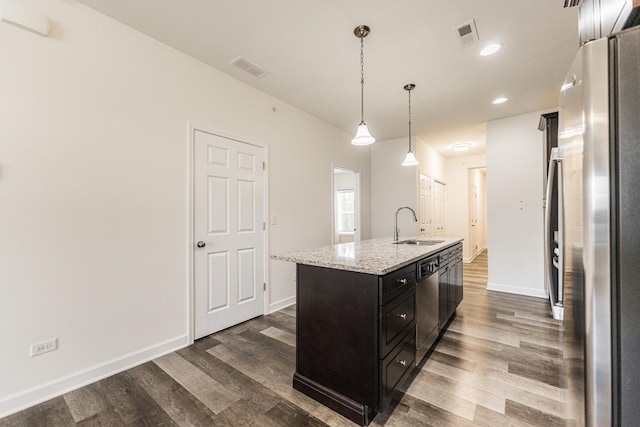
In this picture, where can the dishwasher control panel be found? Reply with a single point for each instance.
(429, 266)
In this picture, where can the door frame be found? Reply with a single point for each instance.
(191, 241)
(430, 208)
(358, 217)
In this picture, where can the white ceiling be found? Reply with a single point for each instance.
(313, 58)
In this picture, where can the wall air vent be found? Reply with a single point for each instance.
(466, 33)
(249, 67)
(572, 3)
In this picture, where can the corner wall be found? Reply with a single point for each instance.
(394, 185)
(514, 205)
(94, 180)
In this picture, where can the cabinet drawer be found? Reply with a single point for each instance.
(396, 282)
(396, 367)
(458, 250)
(444, 257)
(398, 317)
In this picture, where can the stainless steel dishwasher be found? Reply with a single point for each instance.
(426, 306)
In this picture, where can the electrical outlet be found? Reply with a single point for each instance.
(44, 347)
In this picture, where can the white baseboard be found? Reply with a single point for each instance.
(25, 399)
(470, 259)
(283, 303)
(530, 292)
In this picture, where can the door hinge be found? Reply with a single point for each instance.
(264, 166)
(264, 286)
(264, 226)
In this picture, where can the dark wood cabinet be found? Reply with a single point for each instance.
(443, 298)
(356, 332)
(457, 268)
(450, 284)
(601, 18)
(355, 337)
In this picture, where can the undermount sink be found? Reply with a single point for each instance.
(418, 242)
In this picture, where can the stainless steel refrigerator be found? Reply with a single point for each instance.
(598, 168)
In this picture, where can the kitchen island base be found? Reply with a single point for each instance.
(356, 320)
(355, 338)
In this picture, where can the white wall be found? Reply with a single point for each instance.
(394, 185)
(458, 197)
(514, 208)
(93, 189)
(432, 163)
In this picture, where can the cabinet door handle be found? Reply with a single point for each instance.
(403, 281)
(402, 362)
(403, 316)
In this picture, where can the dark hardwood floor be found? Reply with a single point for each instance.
(498, 364)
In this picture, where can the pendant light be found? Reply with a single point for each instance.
(363, 137)
(410, 160)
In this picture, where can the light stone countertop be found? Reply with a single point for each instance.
(376, 256)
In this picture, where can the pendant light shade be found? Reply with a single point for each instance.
(410, 159)
(363, 137)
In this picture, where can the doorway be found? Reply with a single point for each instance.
(346, 205)
(439, 209)
(425, 208)
(229, 237)
(477, 219)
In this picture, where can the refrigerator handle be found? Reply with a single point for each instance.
(555, 165)
(561, 248)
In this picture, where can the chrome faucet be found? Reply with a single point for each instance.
(396, 231)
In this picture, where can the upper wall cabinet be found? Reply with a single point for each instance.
(600, 18)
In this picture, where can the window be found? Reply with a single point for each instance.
(346, 217)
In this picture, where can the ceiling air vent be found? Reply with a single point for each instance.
(572, 3)
(249, 67)
(466, 33)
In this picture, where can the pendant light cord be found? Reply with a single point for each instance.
(409, 119)
(361, 80)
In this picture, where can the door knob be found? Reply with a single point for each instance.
(201, 244)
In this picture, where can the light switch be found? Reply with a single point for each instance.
(274, 220)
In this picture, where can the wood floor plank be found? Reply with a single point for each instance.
(129, 400)
(54, 412)
(175, 400)
(280, 335)
(86, 402)
(214, 395)
(497, 365)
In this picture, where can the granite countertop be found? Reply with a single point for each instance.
(376, 256)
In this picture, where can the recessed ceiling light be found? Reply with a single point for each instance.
(500, 100)
(461, 146)
(491, 49)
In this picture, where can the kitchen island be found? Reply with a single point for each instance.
(356, 318)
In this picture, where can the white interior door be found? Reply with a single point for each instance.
(229, 231)
(440, 209)
(473, 221)
(424, 207)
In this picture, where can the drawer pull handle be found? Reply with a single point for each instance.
(403, 281)
(403, 316)
(403, 362)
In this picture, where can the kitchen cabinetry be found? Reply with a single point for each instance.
(355, 337)
(601, 18)
(450, 284)
(356, 322)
